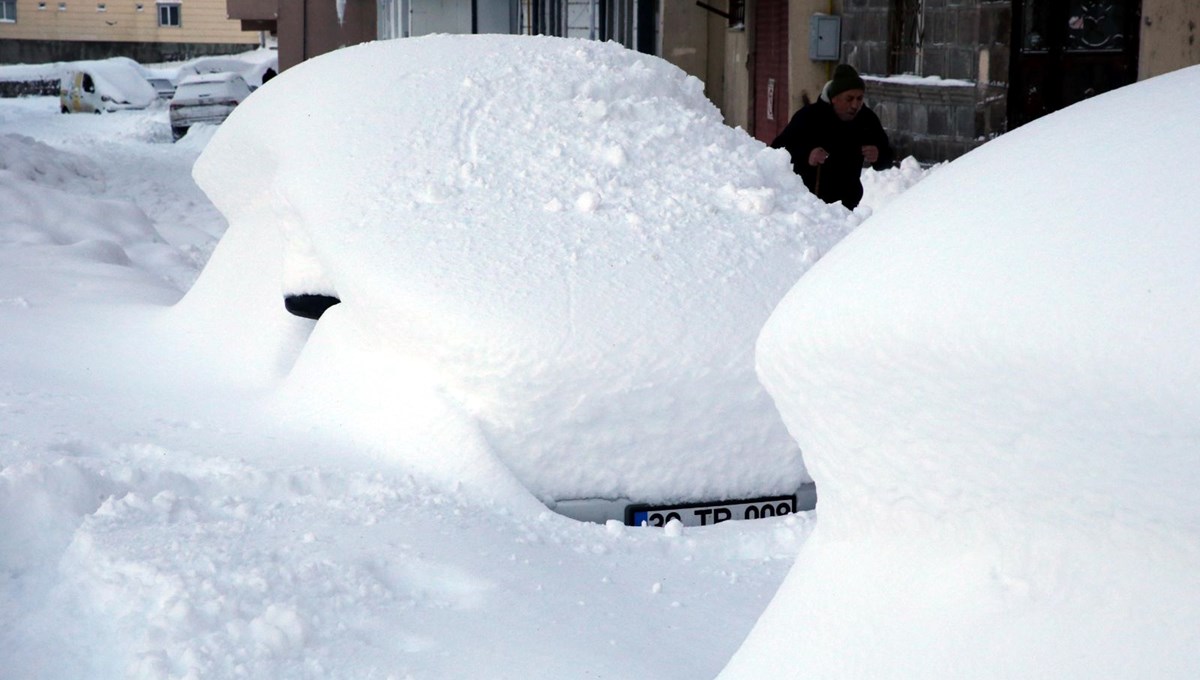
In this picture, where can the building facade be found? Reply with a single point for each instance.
(947, 75)
(944, 75)
(149, 31)
(307, 28)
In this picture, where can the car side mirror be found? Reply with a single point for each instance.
(309, 305)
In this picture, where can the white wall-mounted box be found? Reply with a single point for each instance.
(825, 37)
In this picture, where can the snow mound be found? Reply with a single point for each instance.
(53, 221)
(38, 215)
(37, 162)
(560, 239)
(996, 394)
(881, 187)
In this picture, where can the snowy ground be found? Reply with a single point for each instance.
(157, 522)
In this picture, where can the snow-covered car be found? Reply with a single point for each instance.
(164, 86)
(256, 67)
(103, 86)
(259, 71)
(205, 98)
(994, 382)
(554, 248)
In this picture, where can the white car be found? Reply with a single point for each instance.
(103, 86)
(205, 98)
(553, 247)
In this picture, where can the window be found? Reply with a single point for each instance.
(8, 10)
(62, 6)
(168, 14)
(737, 14)
(101, 7)
(139, 7)
(41, 7)
(629, 22)
(907, 30)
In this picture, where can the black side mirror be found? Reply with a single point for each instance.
(309, 305)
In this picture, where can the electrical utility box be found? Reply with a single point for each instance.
(825, 37)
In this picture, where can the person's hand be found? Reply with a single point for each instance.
(870, 154)
(817, 156)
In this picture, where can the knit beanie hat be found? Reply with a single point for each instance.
(845, 78)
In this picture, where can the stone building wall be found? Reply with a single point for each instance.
(963, 41)
(937, 121)
(865, 26)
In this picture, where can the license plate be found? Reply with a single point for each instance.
(705, 514)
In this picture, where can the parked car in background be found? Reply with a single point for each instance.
(258, 73)
(163, 84)
(103, 86)
(255, 68)
(205, 98)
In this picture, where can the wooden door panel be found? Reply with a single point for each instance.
(771, 112)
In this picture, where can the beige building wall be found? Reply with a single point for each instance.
(806, 77)
(202, 21)
(730, 49)
(1170, 36)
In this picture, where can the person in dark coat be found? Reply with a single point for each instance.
(833, 137)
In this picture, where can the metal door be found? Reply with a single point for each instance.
(770, 50)
(1065, 51)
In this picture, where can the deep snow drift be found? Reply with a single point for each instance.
(995, 387)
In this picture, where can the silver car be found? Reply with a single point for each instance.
(205, 98)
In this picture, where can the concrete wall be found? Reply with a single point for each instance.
(703, 44)
(714, 84)
(685, 38)
(737, 79)
(1170, 36)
